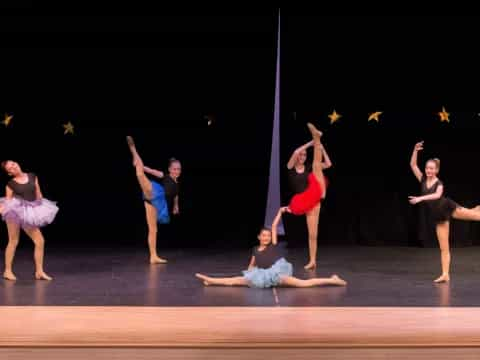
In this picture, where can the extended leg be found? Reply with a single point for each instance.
(143, 180)
(295, 282)
(230, 281)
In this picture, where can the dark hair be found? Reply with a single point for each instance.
(4, 164)
(172, 160)
(264, 228)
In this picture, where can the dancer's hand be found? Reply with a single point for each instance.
(130, 141)
(419, 146)
(284, 209)
(414, 199)
(176, 210)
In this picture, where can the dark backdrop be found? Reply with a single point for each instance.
(157, 77)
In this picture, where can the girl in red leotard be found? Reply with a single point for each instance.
(309, 184)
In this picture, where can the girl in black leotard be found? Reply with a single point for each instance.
(24, 207)
(298, 171)
(441, 208)
(268, 267)
(160, 198)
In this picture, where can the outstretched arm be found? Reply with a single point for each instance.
(154, 172)
(293, 158)
(413, 161)
(327, 163)
(275, 223)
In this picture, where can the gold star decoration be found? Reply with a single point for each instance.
(68, 128)
(7, 120)
(334, 117)
(374, 116)
(444, 115)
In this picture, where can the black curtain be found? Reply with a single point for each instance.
(157, 84)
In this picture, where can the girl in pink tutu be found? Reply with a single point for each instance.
(24, 207)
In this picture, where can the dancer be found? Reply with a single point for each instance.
(24, 207)
(268, 268)
(440, 207)
(301, 178)
(161, 200)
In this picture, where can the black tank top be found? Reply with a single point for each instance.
(299, 181)
(172, 189)
(24, 191)
(268, 256)
(440, 209)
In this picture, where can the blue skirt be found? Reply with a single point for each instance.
(159, 201)
(265, 278)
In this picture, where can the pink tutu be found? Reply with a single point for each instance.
(28, 214)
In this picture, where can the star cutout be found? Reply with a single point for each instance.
(7, 120)
(68, 128)
(334, 117)
(444, 115)
(375, 116)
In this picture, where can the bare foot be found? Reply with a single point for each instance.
(203, 278)
(337, 280)
(131, 145)
(8, 275)
(42, 276)
(157, 260)
(314, 131)
(310, 266)
(442, 279)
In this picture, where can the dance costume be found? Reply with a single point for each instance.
(163, 196)
(307, 189)
(24, 208)
(270, 266)
(440, 209)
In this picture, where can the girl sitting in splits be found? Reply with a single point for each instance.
(268, 268)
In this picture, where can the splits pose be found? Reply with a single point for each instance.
(309, 184)
(24, 207)
(440, 207)
(161, 200)
(268, 268)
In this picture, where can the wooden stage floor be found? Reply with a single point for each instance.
(239, 332)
